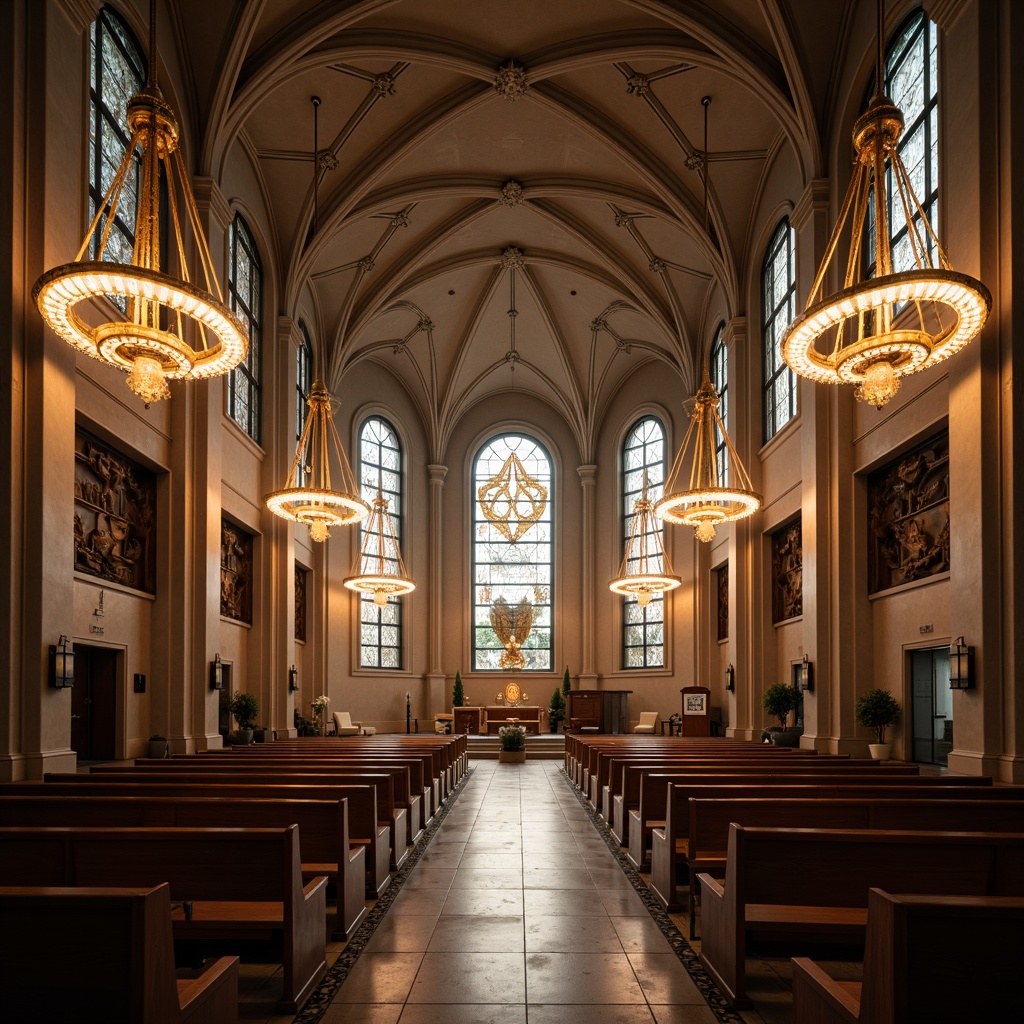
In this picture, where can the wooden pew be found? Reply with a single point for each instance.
(119, 969)
(235, 884)
(811, 885)
(364, 826)
(672, 843)
(943, 959)
(324, 843)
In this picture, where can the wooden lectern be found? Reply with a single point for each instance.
(696, 710)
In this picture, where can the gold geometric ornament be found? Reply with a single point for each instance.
(512, 499)
(876, 330)
(707, 503)
(645, 554)
(512, 625)
(173, 329)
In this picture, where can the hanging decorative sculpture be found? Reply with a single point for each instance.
(512, 625)
(512, 500)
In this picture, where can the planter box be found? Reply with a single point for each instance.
(512, 756)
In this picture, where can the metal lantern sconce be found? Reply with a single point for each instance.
(62, 664)
(730, 677)
(961, 665)
(806, 675)
(293, 679)
(216, 673)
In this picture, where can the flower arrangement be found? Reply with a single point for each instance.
(513, 737)
(319, 706)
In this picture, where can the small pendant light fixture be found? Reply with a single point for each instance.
(379, 568)
(876, 330)
(308, 495)
(162, 311)
(645, 569)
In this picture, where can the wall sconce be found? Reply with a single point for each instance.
(62, 664)
(293, 678)
(216, 673)
(961, 665)
(806, 675)
(730, 677)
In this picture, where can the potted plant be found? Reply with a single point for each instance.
(877, 709)
(778, 700)
(556, 710)
(245, 709)
(513, 744)
(157, 746)
(319, 706)
(458, 693)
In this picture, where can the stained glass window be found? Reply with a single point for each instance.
(245, 286)
(303, 382)
(523, 569)
(643, 629)
(117, 70)
(719, 370)
(380, 470)
(778, 307)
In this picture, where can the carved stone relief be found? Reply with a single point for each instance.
(908, 516)
(115, 502)
(788, 572)
(300, 602)
(722, 579)
(235, 572)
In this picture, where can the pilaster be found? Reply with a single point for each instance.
(435, 560)
(588, 479)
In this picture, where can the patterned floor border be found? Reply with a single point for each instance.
(687, 957)
(316, 1005)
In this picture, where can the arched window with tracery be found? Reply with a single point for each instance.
(380, 471)
(778, 307)
(512, 549)
(245, 288)
(117, 70)
(643, 629)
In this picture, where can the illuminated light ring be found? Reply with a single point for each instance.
(711, 504)
(308, 505)
(652, 583)
(905, 351)
(122, 343)
(968, 298)
(58, 291)
(394, 586)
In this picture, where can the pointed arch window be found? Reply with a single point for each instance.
(245, 288)
(778, 307)
(512, 570)
(643, 629)
(719, 370)
(380, 469)
(117, 70)
(303, 382)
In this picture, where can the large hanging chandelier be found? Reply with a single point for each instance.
(379, 569)
(873, 332)
(512, 625)
(645, 569)
(308, 495)
(172, 329)
(707, 503)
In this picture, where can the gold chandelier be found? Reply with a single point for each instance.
(372, 572)
(651, 572)
(172, 329)
(706, 503)
(862, 334)
(317, 503)
(512, 626)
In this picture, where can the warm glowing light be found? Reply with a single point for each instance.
(147, 380)
(645, 569)
(379, 569)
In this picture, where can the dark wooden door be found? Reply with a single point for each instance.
(94, 703)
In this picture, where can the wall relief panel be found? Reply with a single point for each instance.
(235, 572)
(722, 582)
(300, 602)
(788, 572)
(908, 516)
(115, 515)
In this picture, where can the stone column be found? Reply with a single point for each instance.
(587, 678)
(437, 697)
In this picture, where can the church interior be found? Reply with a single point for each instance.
(392, 372)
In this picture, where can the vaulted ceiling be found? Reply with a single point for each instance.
(467, 143)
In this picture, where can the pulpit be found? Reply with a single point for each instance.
(696, 710)
(468, 720)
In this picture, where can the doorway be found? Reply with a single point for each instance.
(931, 706)
(94, 703)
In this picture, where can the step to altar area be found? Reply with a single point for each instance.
(545, 747)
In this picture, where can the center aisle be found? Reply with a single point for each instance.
(518, 913)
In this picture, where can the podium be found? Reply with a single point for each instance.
(696, 710)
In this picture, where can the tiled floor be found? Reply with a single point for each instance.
(518, 913)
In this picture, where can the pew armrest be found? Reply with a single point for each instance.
(212, 997)
(818, 998)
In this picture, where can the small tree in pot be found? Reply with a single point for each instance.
(877, 709)
(778, 700)
(245, 709)
(458, 693)
(556, 710)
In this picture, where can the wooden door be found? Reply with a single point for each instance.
(94, 703)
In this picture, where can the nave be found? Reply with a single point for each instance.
(517, 912)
